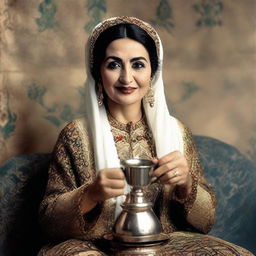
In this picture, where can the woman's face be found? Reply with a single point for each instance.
(125, 72)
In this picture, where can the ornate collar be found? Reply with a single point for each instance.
(126, 127)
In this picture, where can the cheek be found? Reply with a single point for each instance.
(109, 78)
(144, 80)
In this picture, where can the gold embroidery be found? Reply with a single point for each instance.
(118, 20)
(201, 199)
(133, 140)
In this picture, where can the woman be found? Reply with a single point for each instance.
(127, 117)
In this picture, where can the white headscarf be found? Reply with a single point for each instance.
(165, 129)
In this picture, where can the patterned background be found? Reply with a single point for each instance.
(210, 58)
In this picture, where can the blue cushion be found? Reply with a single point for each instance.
(233, 178)
(22, 184)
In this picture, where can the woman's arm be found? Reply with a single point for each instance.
(200, 203)
(188, 203)
(75, 196)
(70, 174)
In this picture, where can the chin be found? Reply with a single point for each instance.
(126, 102)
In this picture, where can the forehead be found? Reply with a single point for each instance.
(126, 47)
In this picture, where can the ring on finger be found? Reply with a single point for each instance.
(176, 173)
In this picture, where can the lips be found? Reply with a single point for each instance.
(126, 90)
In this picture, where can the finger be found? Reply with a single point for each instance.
(169, 157)
(110, 182)
(171, 175)
(114, 174)
(116, 184)
(173, 181)
(154, 160)
(109, 192)
(160, 171)
(166, 168)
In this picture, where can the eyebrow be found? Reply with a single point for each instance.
(120, 60)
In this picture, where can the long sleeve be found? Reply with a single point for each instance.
(196, 212)
(200, 204)
(71, 171)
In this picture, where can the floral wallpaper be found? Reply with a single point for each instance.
(209, 66)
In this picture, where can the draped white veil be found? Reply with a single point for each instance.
(164, 127)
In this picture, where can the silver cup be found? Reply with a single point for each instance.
(138, 171)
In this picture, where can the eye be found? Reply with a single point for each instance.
(113, 65)
(138, 65)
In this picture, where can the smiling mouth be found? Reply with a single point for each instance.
(126, 90)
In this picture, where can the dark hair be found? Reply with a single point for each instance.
(123, 30)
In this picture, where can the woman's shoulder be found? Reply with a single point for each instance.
(76, 128)
(184, 129)
(182, 126)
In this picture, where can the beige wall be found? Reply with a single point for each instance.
(209, 70)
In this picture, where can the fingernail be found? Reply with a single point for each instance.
(154, 179)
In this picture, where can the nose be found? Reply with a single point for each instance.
(125, 76)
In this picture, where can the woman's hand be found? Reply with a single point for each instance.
(109, 183)
(173, 169)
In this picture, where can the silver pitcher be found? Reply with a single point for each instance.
(137, 222)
